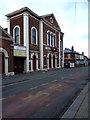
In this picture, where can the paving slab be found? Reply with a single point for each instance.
(79, 108)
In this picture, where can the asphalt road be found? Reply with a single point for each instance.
(42, 94)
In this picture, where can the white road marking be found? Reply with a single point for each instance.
(34, 88)
(44, 84)
(54, 81)
(7, 97)
(29, 89)
(15, 83)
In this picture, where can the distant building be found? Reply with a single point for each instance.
(71, 57)
(86, 60)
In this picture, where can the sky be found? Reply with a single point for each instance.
(71, 15)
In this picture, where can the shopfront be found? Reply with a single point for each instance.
(19, 59)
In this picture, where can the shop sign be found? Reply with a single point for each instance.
(19, 48)
(20, 51)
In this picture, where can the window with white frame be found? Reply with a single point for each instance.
(16, 34)
(48, 38)
(68, 56)
(54, 40)
(34, 35)
(51, 39)
(61, 45)
(44, 60)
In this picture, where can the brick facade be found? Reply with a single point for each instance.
(39, 55)
(6, 53)
(71, 56)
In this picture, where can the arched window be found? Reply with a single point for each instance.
(54, 40)
(48, 38)
(34, 35)
(51, 39)
(16, 33)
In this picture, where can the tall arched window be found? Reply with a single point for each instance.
(48, 38)
(34, 35)
(16, 33)
(51, 39)
(54, 40)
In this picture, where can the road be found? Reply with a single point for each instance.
(42, 94)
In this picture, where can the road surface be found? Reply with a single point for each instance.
(43, 94)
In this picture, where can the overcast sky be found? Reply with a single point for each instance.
(71, 15)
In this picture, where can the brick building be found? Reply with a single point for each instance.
(37, 41)
(6, 53)
(74, 58)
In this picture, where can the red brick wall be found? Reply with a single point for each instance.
(6, 45)
(17, 21)
(33, 23)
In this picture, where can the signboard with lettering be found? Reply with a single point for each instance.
(20, 51)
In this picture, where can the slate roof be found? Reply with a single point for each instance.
(4, 32)
(71, 51)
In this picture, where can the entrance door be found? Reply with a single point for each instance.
(18, 65)
(49, 61)
(34, 62)
(54, 61)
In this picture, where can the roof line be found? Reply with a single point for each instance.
(20, 10)
(47, 15)
(6, 33)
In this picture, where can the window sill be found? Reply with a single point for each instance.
(34, 44)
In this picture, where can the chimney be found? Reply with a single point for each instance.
(82, 53)
(5, 29)
(72, 48)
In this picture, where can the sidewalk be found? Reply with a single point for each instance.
(79, 108)
(20, 77)
(25, 76)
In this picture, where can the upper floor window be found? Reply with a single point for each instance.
(61, 47)
(34, 35)
(68, 56)
(51, 39)
(54, 40)
(48, 38)
(16, 33)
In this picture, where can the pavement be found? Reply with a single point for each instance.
(80, 107)
(22, 77)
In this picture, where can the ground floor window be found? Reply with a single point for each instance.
(29, 65)
(57, 61)
(54, 61)
(49, 61)
(44, 60)
(34, 62)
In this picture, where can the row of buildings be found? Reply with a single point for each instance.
(30, 42)
(74, 59)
